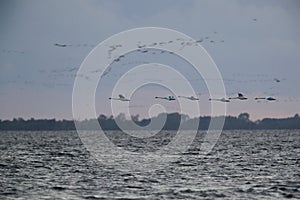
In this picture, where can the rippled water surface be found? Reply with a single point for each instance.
(242, 165)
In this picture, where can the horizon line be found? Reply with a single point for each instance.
(113, 117)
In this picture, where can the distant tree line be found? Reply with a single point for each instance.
(172, 123)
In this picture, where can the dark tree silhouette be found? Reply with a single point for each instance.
(172, 123)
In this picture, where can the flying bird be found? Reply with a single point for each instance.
(117, 59)
(169, 98)
(120, 98)
(199, 41)
(276, 80)
(221, 100)
(153, 44)
(144, 51)
(60, 45)
(240, 97)
(190, 98)
(265, 98)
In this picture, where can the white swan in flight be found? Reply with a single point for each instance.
(240, 97)
(120, 98)
(266, 98)
(169, 98)
(190, 98)
(221, 100)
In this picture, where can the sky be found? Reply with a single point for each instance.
(254, 42)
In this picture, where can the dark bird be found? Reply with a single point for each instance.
(60, 45)
(141, 46)
(153, 44)
(72, 69)
(276, 80)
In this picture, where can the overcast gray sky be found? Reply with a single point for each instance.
(254, 42)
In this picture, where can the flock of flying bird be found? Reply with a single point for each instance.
(144, 48)
(149, 48)
(240, 96)
(182, 43)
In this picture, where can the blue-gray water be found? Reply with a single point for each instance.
(242, 165)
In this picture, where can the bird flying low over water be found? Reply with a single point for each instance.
(221, 100)
(190, 98)
(240, 97)
(120, 98)
(169, 98)
(265, 98)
